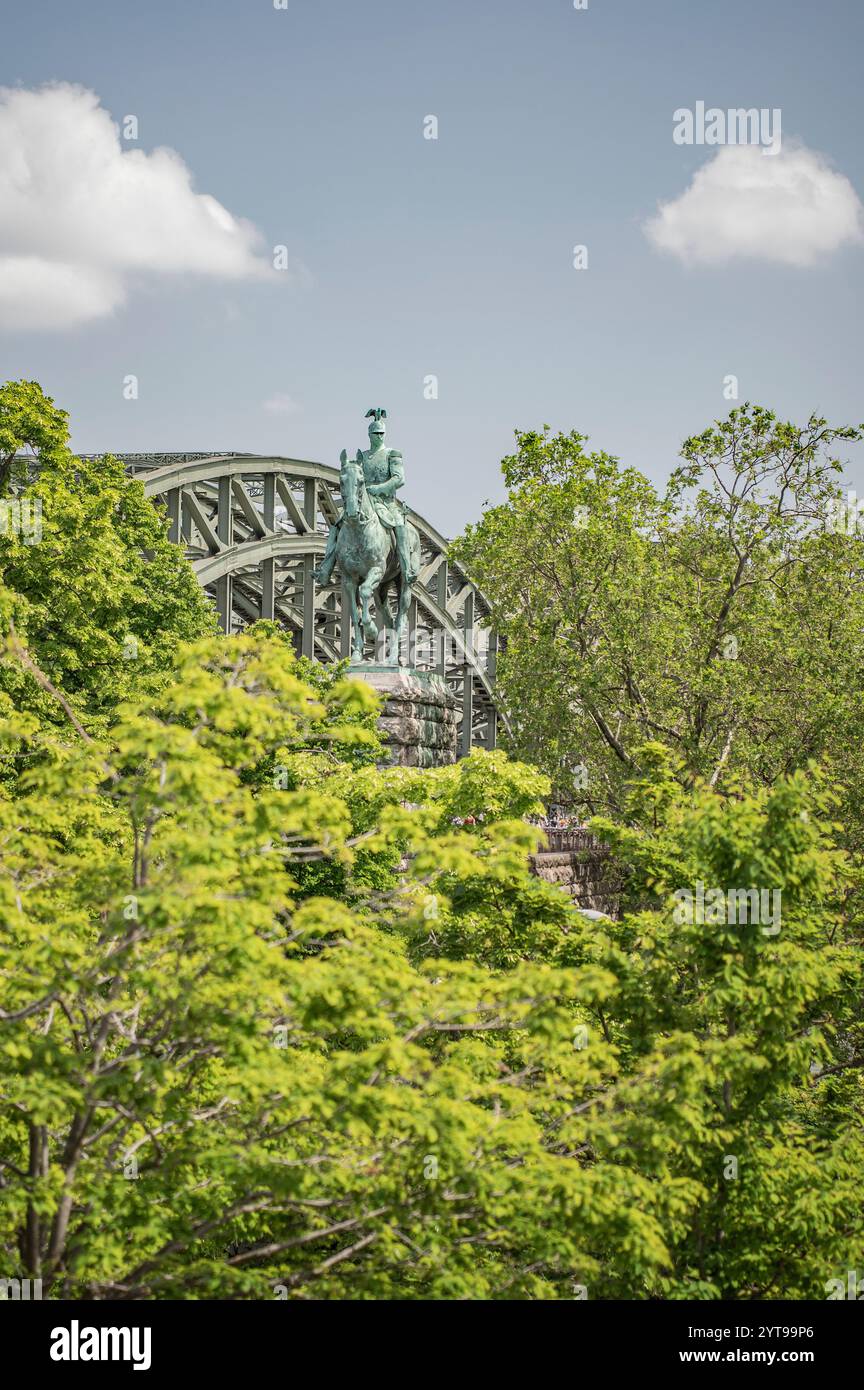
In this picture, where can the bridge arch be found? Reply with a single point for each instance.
(254, 528)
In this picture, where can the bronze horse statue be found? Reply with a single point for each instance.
(367, 557)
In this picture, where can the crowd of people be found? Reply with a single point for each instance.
(554, 819)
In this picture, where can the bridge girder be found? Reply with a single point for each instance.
(254, 528)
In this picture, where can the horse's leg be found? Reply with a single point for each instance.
(367, 589)
(382, 607)
(378, 577)
(412, 556)
(382, 613)
(392, 576)
(357, 630)
(402, 616)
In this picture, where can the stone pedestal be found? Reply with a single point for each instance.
(418, 721)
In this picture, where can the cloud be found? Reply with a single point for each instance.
(791, 208)
(81, 216)
(281, 404)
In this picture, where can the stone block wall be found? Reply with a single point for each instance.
(418, 722)
(581, 865)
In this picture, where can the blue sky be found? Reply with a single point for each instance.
(451, 257)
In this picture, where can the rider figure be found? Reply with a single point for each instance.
(384, 473)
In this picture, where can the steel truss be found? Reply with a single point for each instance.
(255, 527)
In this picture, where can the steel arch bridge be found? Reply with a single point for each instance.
(254, 528)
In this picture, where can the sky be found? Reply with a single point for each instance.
(403, 258)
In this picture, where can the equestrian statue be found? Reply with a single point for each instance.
(373, 542)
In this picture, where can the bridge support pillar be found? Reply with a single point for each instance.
(310, 512)
(174, 515)
(442, 583)
(225, 533)
(268, 567)
(467, 679)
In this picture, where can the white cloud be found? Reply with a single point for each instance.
(281, 404)
(792, 208)
(81, 215)
(36, 293)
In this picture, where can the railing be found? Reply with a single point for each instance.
(565, 841)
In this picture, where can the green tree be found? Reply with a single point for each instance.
(30, 425)
(725, 619)
(443, 1085)
(96, 596)
(276, 1021)
(766, 1010)
(262, 1090)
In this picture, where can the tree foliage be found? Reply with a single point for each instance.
(276, 1021)
(96, 593)
(725, 618)
(443, 1084)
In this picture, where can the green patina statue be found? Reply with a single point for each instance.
(372, 542)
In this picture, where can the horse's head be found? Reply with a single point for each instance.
(352, 485)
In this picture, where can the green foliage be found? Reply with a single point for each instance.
(443, 1085)
(102, 598)
(30, 424)
(278, 1022)
(284, 1075)
(725, 619)
(770, 1020)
